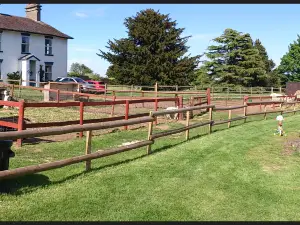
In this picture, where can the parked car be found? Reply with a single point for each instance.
(98, 86)
(85, 86)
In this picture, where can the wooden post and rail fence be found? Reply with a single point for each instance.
(151, 137)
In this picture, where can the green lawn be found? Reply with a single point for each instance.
(241, 173)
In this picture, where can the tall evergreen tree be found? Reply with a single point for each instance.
(153, 51)
(234, 60)
(289, 67)
(271, 78)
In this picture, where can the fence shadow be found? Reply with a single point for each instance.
(23, 184)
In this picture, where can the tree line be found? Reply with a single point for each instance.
(155, 51)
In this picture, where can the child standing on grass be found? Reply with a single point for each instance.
(280, 128)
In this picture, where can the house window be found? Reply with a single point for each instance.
(25, 44)
(48, 46)
(48, 71)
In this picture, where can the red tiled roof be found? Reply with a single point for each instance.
(23, 24)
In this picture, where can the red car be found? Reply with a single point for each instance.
(99, 86)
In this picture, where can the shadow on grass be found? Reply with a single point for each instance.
(27, 182)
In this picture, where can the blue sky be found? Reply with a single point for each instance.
(92, 25)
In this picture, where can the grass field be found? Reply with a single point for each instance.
(242, 173)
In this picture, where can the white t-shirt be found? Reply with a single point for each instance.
(279, 118)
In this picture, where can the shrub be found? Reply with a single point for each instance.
(14, 76)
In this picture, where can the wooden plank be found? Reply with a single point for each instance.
(70, 129)
(8, 174)
(88, 149)
(164, 112)
(178, 130)
(8, 124)
(229, 108)
(73, 122)
(201, 103)
(259, 113)
(51, 104)
(10, 103)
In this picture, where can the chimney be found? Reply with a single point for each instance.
(33, 11)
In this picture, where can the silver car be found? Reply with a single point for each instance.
(85, 86)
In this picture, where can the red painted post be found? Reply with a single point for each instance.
(180, 107)
(58, 96)
(113, 107)
(21, 120)
(126, 112)
(81, 111)
(155, 109)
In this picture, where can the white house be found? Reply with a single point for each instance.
(30, 46)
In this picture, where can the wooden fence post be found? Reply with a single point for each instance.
(58, 96)
(88, 149)
(180, 107)
(20, 83)
(156, 89)
(126, 113)
(150, 130)
(176, 88)
(105, 92)
(265, 110)
(210, 119)
(229, 118)
(192, 101)
(81, 111)
(155, 109)
(245, 112)
(113, 107)
(208, 97)
(21, 120)
(131, 91)
(177, 101)
(187, 132)
(12, 90)
(294, 108)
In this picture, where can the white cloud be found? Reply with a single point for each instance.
(99, 12)
(81, 15)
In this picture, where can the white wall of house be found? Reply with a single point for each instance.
(11, 52)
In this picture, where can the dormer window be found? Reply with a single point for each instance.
(25, 44)
(48, 45)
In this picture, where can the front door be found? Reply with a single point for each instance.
(32, 72)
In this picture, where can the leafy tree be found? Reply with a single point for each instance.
(78, 70)
(154, 51)
(289, 67)
(234, 60)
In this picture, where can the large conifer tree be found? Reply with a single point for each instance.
(153, 51)
(234, 60)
